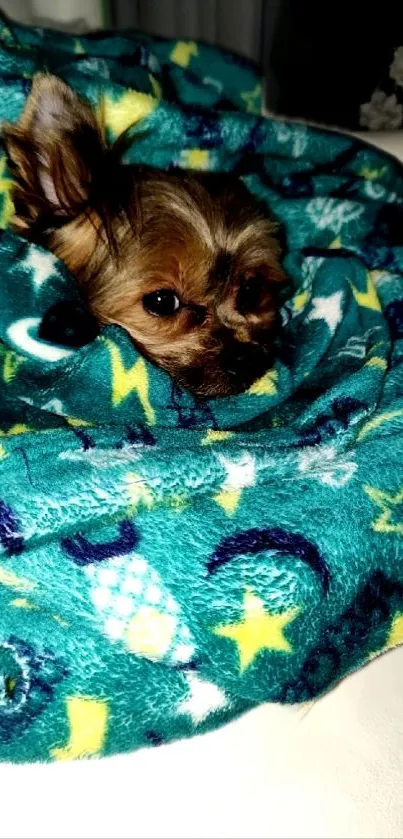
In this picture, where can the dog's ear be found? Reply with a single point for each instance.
(54, 151)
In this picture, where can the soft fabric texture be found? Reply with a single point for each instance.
(168, 564)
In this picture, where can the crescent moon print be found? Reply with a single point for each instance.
(276, 539)
(20, 335)
(10, 530)
(84, 552)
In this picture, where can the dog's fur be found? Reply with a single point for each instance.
(128, 231)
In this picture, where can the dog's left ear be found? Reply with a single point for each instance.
(54, 150)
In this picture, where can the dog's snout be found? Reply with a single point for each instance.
(239, 360)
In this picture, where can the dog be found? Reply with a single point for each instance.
(186, 262)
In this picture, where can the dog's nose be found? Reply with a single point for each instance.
(69, 324)
(241, 360)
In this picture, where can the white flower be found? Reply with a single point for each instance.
(396, 68)
(382, 113)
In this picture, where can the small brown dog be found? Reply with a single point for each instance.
(186, 263)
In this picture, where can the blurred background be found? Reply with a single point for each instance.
(339, 63)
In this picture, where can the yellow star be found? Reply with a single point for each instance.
(11, 363)
(18, 428)
(23, 603)
(78, 47)
(212, 436)
(266, 386)
(139, 492)
(395, 636)
(183, 51)
(240, 474)
(118, 115)
(372, 174)
(195, 158)
(75, 422)
(126, 381)
(378, 362)
(88, 718)
(253, 99)
(257, 630)
(10, 580)
(387, 502)
(336, 244)
(229, 500)
(300, 300)
(179, 503)
(6, 185)
(368, 299)
(156, 87)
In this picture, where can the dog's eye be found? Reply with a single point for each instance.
(161, 303)
(250, 294)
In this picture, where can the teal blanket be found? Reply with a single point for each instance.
(167, 564)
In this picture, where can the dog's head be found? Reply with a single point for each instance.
(187, 263)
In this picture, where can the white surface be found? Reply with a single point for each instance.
(332, 769)
(60, 12)
(66, 10)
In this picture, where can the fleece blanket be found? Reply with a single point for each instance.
(166, 563)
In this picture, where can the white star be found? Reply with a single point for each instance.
(42, 265)
(204, 699)
(241, 473)
(328, 309)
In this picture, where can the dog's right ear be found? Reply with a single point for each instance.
(54, 151)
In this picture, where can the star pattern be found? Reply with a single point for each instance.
(328, 309)
(241, 473)
(204, 699)
(119, 115)
(183, 52)
(391, 505)
(395, 636)
(300, 300)
(41, 264)
(139, 492)
(195, 159)
(12, 363)
(212, 437)
(266, 386)
(252, 99)
(368, 299)
(88, 719)
(258, 630)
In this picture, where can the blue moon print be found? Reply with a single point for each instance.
(84, 552)
(276, 539)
